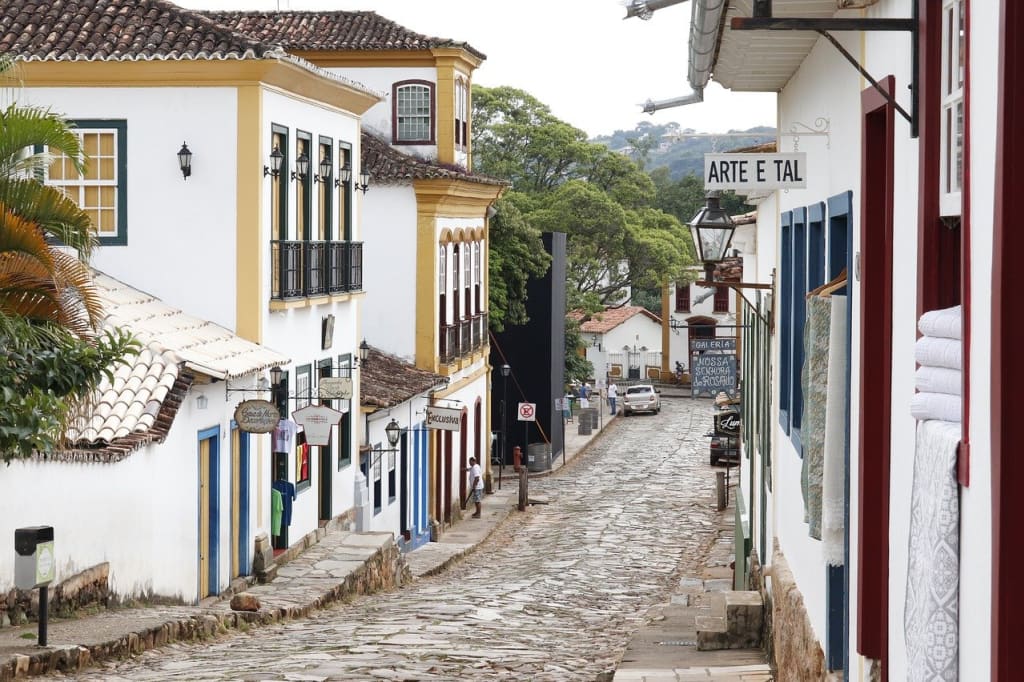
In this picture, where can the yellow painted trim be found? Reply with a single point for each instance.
(462, 59)
(454, 198)
(445, 110)
(295, 304)
(286, 75)
(368, 58)
(446, 236)
(462, 383)
(251, 244)
(665, 337)
(427, 318)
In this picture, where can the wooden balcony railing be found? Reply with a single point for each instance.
(463, 338)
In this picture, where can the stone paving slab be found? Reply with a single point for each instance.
(554, 596)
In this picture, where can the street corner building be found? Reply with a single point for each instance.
(878, 510)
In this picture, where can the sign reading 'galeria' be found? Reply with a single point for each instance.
(751, 172)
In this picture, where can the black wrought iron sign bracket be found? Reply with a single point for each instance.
(762, 20)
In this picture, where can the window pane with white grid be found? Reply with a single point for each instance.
(952, 146)
(413, 112)
(95, 191)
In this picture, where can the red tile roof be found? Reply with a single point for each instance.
(610, 318)
(335, 31)
(388, 166)
(118, 30)
(387, 380)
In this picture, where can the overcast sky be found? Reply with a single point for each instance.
(579, 57)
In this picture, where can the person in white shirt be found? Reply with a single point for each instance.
(613, 394)
(476, 484)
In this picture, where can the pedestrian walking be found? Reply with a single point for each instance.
(476, 485)
(613, 394)
(585, 396)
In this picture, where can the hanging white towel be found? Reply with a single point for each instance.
(948, 408)
(939, 380)
(945, 323)
(935, 352)
(931, 610)
(833, 485)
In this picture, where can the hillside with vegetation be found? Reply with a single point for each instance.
(680, 150)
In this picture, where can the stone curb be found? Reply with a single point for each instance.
(458, 556)
(201, 626)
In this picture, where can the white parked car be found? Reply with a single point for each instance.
(641, 398)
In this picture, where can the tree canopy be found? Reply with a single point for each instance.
(54, 351)
(604, 202)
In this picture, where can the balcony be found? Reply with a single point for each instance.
(302, 269)
(462, 338)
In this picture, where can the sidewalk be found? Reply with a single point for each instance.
(345, 564)
(340, 566)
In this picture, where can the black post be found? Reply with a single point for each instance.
(43, 610)
(501, 451)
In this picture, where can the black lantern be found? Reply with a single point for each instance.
(275, 376)
(364, 352)
(393, 431)
(185, 161)
(712, 230)
(276, 159)
(344, 175)
(364, 182)
(324, 168)
(301, 171)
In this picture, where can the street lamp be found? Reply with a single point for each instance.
(712, 230)
(394, 432)
(505, 371)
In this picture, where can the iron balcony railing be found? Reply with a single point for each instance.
(315, 268)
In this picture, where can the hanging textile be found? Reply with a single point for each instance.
(930, 616)
(833, 485)
(819, 312)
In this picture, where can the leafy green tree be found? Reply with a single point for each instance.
(577, 367)
(517, 255)
(50, 314)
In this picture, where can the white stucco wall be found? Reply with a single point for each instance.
(139, 514)
(185, 224)
(389, 257)
(829, 88)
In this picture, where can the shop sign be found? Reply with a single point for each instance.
(257, 416)
(316, 422)
(753, 172)
(444, 418)
(713, 374)
(713, 344)
(335, 388)
(727, 424)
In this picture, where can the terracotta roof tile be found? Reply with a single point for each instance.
(388, 166)
(387, 380)
(118, 30)
(610, 318)
(337, 31)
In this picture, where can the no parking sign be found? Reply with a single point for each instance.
(527, 412)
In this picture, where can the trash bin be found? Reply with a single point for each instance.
(584, 425)
(538, 457)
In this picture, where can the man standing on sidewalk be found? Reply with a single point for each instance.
(613, 393)
(476, 484)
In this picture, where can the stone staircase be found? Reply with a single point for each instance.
(733, 620)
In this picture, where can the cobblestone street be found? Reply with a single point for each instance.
(554, 594)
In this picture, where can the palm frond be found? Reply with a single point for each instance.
(52, 210)
(25, 128)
